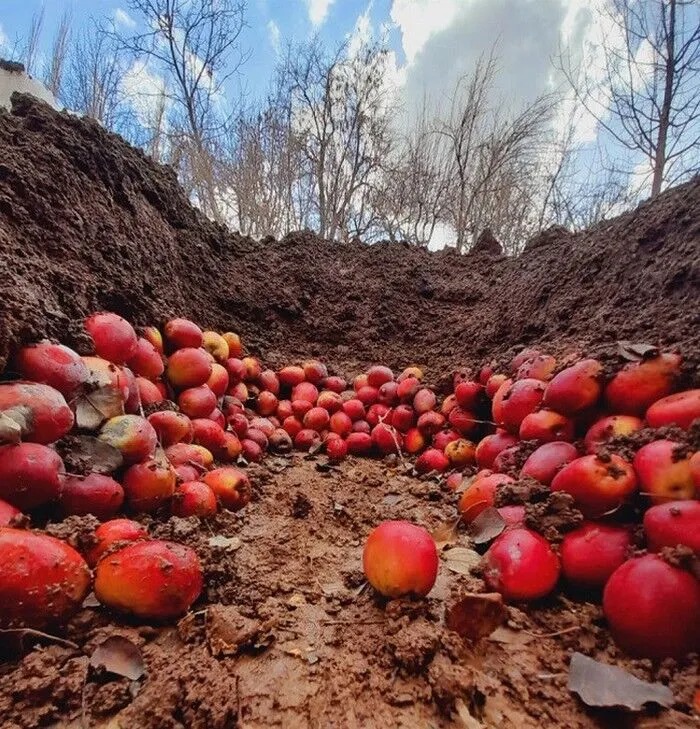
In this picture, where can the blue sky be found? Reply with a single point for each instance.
(268, 22)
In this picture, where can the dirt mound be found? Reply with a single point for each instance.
(285, 634)
(87, 222)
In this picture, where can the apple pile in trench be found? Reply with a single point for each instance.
(166, 423)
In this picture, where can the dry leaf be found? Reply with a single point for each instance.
(486, 526)
(476, 615)
(120, 656)
(94, 407)
(635, 352)
(601, 685)
(510, 637)
(461, 560)
(219, 540)
(94, 455)
(446, 534)
(10, 428)
(465, 717)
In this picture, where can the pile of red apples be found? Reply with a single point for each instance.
(167, 423)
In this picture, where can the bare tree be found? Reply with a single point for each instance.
(53, 75)
(342, 112)
(649, 98)
(94, 75)
(491, 159)
(195, 44)
(33, 38)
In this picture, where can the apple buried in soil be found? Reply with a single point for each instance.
(151, 580)
(400, 559)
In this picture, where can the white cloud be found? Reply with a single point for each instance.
(362, 33)
(145, 91)
(274, 36)
(419, 20)
(318, 9)
(121, 17)
(3, 38)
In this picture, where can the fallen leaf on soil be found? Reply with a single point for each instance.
(120, 656)
(476, 615)
(510, 637)
(600, 685)
(636, 351)
(446, 534)
(465, 718)
(219, 540)
(461, 560)
(487, 526)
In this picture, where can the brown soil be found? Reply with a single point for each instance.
(285, 633)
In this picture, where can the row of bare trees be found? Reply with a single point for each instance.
(328, 148)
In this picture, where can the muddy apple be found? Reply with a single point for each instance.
(359, 444)
(546, 426)
(281, 441)
(209, 434)
(540, 367)
(467, 394)
(116, 531)
(354, 409)
(480, 494)
(592, 552)
(133, 436)
(216, 345)
(149, 485)
(463, 421)
(152, 580)
(519, 400)
(368, 395)
(336, 449)
(197, 402)
(266, 403)
(521, 565)
(31, 475)
(413, 441)
(259, 437)
(680, 409)
(378, 413)
(188, 367)
(448, 404)
(146, 361)
(251, 451)
(184, 453)
(334, 384)
(218, 381)
(388, 394)
(182, 334)
(235, 348)
(253, 369)
(317, 419)
(231, 449)
(575, 388)
(306, 439)
(545, 462)
(314, 371)
(598, 485)
(411, 371)
(652, 608)
(330, 401)
(171, 427)
(639, 384)
(291, 376)
(612, 426)
(235, 369)
(93, 494)
(407, 389)
(154, 337)
(292, 425)
(430, 423)
(673, 523)
(378, 375)
(424, 401)
(230, 485)
(432, 460)
(187, 472)
(114, 338)
(148, 393)
(490, 446)
(386, 439)
(494, 384)
(664, 473)
(400, 559)
(512, 515)
(528, 354)
(305, 391)
(441, 439)
(43, 580)
(37, 413)
(194, 498)
(53, 365)
(460, 453)
(341, 424)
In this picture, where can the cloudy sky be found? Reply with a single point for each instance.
(433, 41)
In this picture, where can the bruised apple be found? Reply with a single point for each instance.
(151, 580)
(230, 485)
(34, 412)
(545, 462)
(149, 485)
(664, 471)
(133, 436)
(194, 498)
(31, 475)
(673, 523)
(114, 338)
(400, 559)
(639, 384)
(113, 532)
(680, 409)
(53, 365)
(575, 388)
(480, 494)
(612, 426)
(43, 580)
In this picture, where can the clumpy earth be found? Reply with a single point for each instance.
(286, 633)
